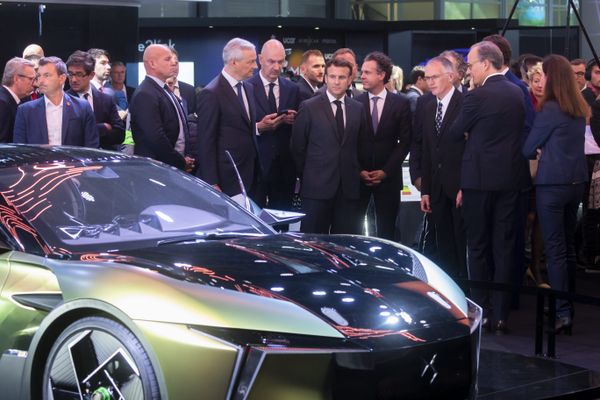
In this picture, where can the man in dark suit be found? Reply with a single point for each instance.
(56, 118)
(312, 70)
(158, 121)
(525, 187)
(418, 87)
(17, 83)
(383, 146)
(442, 158)
(111, 128)
(226, 121)
(325, 148)
(277, 101)
(492, 120)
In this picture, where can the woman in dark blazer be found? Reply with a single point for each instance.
(557, 139)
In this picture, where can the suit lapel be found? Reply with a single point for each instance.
(230, 92)
(66, 116)
(387, 107)
(328, 111)
(283, 94)
(261, 96)
(43, 121)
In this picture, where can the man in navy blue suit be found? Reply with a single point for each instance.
(277, 101)
(226, 121)
(492, 120)
(57, 118)
(111, 128)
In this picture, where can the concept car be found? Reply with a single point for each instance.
(123, 278)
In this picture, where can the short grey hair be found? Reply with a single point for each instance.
(60, 65)
(489, 51)
(233, 49)
(446, 64)
(13, 67)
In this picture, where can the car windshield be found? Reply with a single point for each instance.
(118, 204)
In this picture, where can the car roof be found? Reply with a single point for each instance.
(13, 155)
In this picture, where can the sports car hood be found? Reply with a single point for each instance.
(358, 285)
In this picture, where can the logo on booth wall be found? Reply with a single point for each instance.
(142, 46)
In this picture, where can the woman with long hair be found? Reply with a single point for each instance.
(557, 140)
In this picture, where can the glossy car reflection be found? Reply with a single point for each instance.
(123, 278)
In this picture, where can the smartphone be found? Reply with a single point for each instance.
(282, 112)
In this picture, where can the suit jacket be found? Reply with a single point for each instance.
(416, 146)
(561, 138)
(324, 163)
(442, 157)
(130, 91)
(274, 143)
(78, 123)
(223, 124)
(305, 90)
(155, 124)
(188, 93)
(8, 112)
(493, 115)
(105, 111)
(387, 148)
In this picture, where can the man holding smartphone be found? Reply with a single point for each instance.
(277, 101)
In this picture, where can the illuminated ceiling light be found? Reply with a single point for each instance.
(317, 28)
(279, 26)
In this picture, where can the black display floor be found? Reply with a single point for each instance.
(514, 376)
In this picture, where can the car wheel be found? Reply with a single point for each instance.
(97, 358)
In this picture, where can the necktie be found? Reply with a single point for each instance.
(239, 86)
(86, 96)
(438, 118)
(375, 114)
(339, 120)
(180, 143)
(271, 98)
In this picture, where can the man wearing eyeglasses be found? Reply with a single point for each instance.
(17, 83)
(578, 66)
(57, 118)
(111, 128)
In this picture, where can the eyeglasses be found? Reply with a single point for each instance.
(580, 73)
(31, 79)
(469, 66)
(432, 77)
(77, 75)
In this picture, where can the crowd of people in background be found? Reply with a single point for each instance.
(503, 152)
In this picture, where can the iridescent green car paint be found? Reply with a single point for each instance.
(121, 278)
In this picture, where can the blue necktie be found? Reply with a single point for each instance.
(438, 118)
(375, 114)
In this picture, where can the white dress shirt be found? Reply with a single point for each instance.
(90, 98)
(446, 101)
(54, 121)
